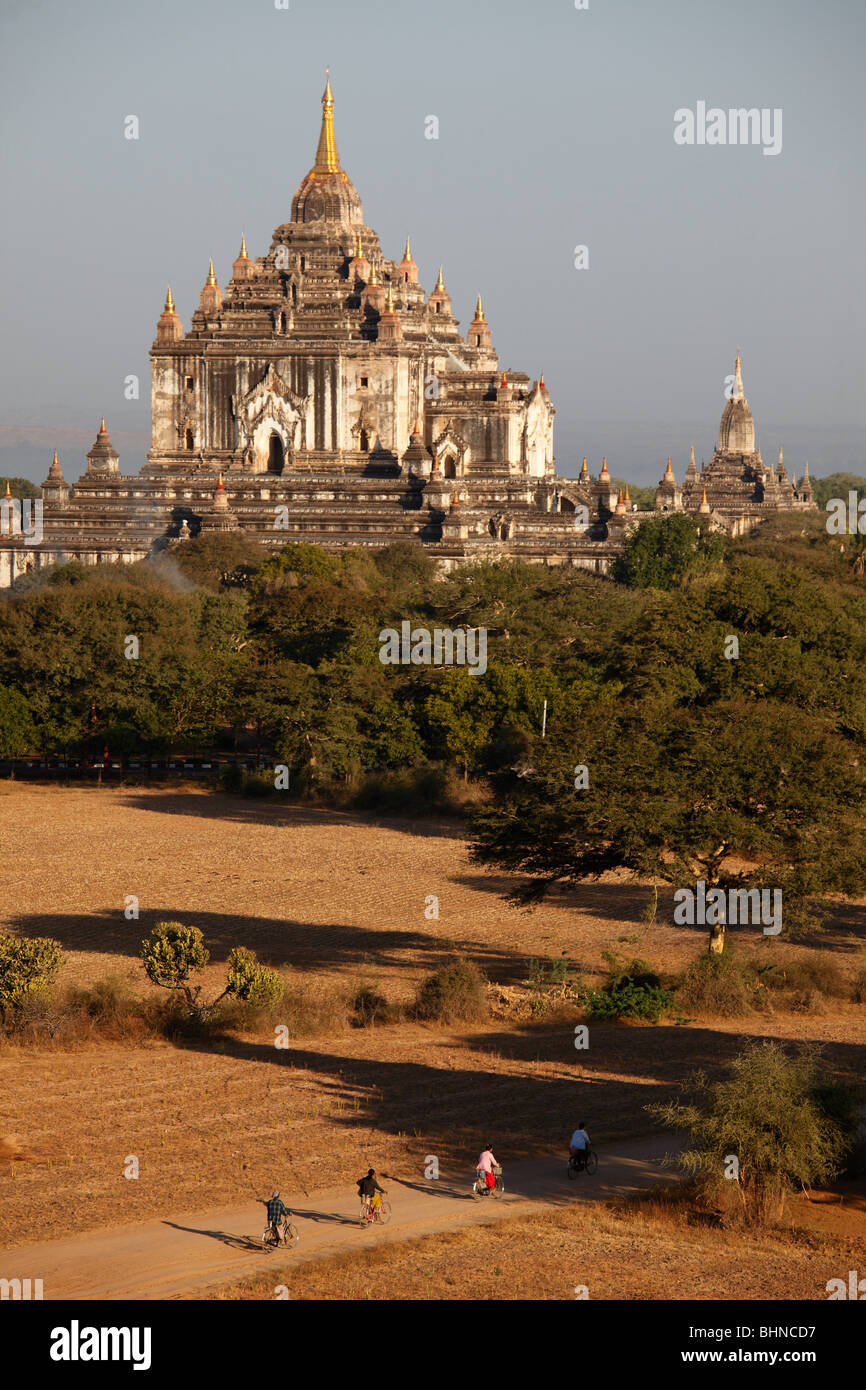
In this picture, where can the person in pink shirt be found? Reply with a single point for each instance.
(486, 1164)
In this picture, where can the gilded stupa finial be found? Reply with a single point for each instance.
(327, 158)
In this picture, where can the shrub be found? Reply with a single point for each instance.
(859, 988)
(718, 985)
(369, 1007)
(632, 991)
(28, 964)
(453, 994)
(774, 1115)
(171, 954)
(250, 982)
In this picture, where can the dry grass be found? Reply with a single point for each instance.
(337, 901)
(645, 1250)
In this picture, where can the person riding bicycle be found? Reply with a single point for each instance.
(485, 1165)
(370, 1192)
(580, 1145)
(277, 1212)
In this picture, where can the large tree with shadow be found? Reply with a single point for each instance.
(743, 772)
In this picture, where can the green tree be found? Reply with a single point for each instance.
(17, 728)
(28, 964)
(663, 552)
(774, 1115)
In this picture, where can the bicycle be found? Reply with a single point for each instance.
(589, 1164)
(285, 1233)
(371, 1215)
(480, 1188)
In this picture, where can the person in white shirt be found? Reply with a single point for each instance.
(580, 1141)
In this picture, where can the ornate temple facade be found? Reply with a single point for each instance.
(323, 396)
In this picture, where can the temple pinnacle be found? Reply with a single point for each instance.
(327, 158)
(479, 311)
(440, 283)
(211, 278)
(169, 303)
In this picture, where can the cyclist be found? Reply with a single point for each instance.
(277, 1212)
(485, 1165)
(580, 1144)
(371, 1193)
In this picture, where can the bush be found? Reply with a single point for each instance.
(171, 954)
(369, 1007)
(774, 1116)
(252, 983)
(453, 994)
(632, 991)
(28, 964)
(859, 988)
(717, 985)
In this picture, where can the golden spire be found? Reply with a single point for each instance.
(374, 279)
(407, 254)
(583, 467)
(604, 464)
(55, 462)
(102, 429)
(669, 472)
(389, 303)
(327, 159)
(627, 498)
(440, 283)
(541, 382)
(211, 278)
(8, 489)
(169, 303)
(479, 311)
(243, 256)
(359, 250)
(220, 483)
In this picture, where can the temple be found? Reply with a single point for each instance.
(322, 395)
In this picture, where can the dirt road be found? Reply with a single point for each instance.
(184, 1256)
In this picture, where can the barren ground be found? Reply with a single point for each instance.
(339, 899)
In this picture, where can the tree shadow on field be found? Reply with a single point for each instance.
(276, 941)
(225, 1237)
(449, 1110)
(214, 805)
(623, 903)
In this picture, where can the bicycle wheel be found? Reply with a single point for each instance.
(499, 1188)
(384, 1214)
(592, 1162)
(268, 1238)
(290, 1235)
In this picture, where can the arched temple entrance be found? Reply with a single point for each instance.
(276, 454)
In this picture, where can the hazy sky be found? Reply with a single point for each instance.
(555, 129)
